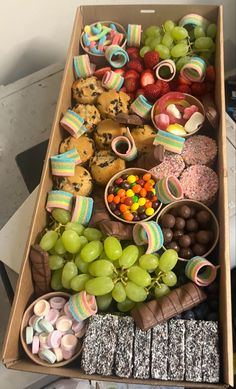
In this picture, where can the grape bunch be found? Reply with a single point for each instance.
(83, 259)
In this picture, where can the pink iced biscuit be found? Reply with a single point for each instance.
(35, 345)
(57, 302)
(54, 339)
(52, 315)
(69, 342)
(63, 323)
(67, 311)
(199, 150)
(58, 353)
(41, 308)
(173, 165)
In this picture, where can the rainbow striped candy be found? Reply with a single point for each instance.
(170, 142)
(64, 164)
(169, 189)
(194, 20)
(82, 66)
(59, 199)
(73, 123)
(82, 305)
(194, 70)
(82, 210)
(125, 142)
(134, 35)
(116, 56)
(141, 106)
(149, 233)
(193, 271)
(170, 65)
(112, 80)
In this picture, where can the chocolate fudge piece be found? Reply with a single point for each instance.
(124, 348)
(210, 352)
(159, 351)
(176, 352)
(142, 357)
(193, 350)
(107, 344)
(91, 344)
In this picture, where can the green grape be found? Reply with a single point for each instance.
(181, 62)
(126, 305)
(163, 51)
(116, 264)
(55, 262)
(103, 302)
(91, 251)
(52, 251)
(99, 286)
(179, 33)
(83, 241)
(78, 282)
(167, 40)
(56, 283)
(59, 248)
(148, 261)
(112, 248)
(118, 292)
(148, 41)
(169, 278)
(135, 293)
(129, 256)
(179, 50)
(203, 43)
(155, 42)
(168, 260)
(101, 268)
(212, 30)
(152, 31)
(144, 50)
(75, 227)
(199, 32)
(169, 25)
(71, 241)
(104, 256)
(161, 290)
(81, 265)
(139, 276)
(61, 215)
(92, 234)
(48, 240)
(69, 271)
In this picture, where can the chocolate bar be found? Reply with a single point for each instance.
(159, 351)
(124, 348)
(210, 352)
(41, 272)
(176, 352)
(142, 348)
(91, 344)
(193, 350)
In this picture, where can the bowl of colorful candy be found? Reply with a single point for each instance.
(189, 227)
(178, 113)
(130, 196)
(49, 335)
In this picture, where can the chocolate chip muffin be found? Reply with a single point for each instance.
(104, 165)
(106, 131)
(79, 184)
(84, 145)
(111, 103)
(143, 137)
(86, 91)
(90, 114)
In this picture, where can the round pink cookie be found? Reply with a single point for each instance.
(172, 165)
(199, 150)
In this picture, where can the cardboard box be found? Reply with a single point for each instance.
(13, 356)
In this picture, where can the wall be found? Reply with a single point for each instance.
(35, 34)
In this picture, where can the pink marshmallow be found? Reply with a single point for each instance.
(189, 111)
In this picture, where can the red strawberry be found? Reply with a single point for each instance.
(151, 59)
(131, 84)
(210, 73)
(135, 64)
(183, 81)
(147, 77)
(164, 85)
(152, 92)
(173, 85)
(131, 74)
(133, 52)
(100, 72)
(184, 88)
(120, 71)
(123, 89)
(139, 92)
(131, 95)
(198, 88)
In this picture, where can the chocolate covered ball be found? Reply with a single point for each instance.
(191, 225)
(193, 212)
(184, 241)
(173, 245)
(186, 253)
(168, 235)
(199, 249)
(192, 236)
(203, 217)
(184, 211)
(179, 223)
(177, 234)
(168, 221)
(203, 236)
(174, 211)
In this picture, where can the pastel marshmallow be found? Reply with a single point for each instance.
(52, 315)
(46, 326)
(69, 342)
(35, 344)
(54, 339)
(63, 323)
(68, 354)
(41, 308)
(58, 352)
(29, 332)
(194, 122)
(47, 355)
(57, 302)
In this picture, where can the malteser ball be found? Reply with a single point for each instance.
(173, 245)
(203, 236)
(179, 223)
(191, 225)
(168, 221)
(199, 249)
(168, 235)
(184, 241)
(184, 211)
(186, 253)
(177, 234)
(203, 217)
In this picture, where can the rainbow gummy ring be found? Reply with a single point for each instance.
(194, 70)
(112, 80)
(59, 199)
(83, 209)
(194, 20)
(134, 35)
(149, 233)
(116, 56)
(194, 271)
(169, 189)
(141, 106)
(125, 143)
(82, 66)
(82, 305)
(166, 64)
(73, 123)
(170, 142)
(64, 164)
